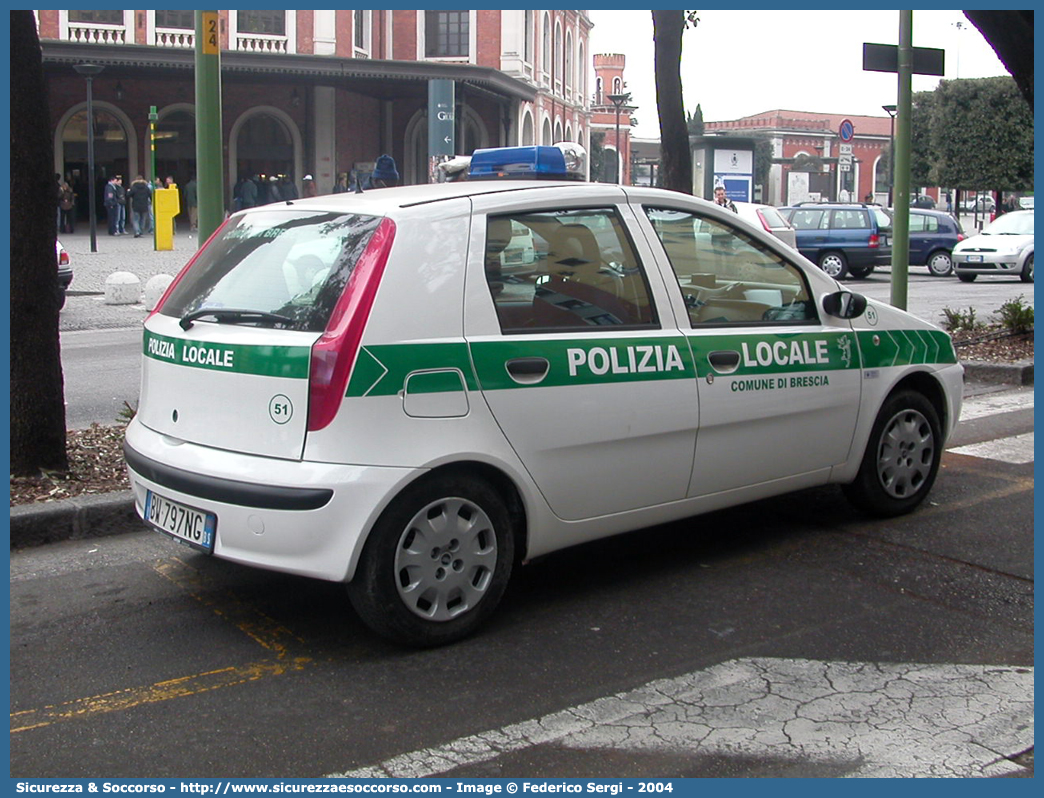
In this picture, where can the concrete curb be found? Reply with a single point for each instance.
(73, 519)
(113, 513)
(1020, 373)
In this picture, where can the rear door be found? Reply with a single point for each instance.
(590, 381)
(227, 356)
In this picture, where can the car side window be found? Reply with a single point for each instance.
(727, 277)
(808, 219)
(917, 222)
(568, 269)
(850, 220)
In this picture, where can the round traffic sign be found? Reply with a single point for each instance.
(847, 130)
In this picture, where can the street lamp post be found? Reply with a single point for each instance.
(89, 71)
(890, 110)
(618, 101)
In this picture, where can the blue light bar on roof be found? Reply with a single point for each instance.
(561, 162)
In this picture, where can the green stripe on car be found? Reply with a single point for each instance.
(291, 362)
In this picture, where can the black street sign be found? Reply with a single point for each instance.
(885, 58)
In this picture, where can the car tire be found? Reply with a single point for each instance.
(901, 459)
(834, 264)
(966, 278)
(940, 264)
(61, 297)
(436, 563)
(1027, 270)
(861, 272)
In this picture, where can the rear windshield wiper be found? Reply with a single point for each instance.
(235, 316)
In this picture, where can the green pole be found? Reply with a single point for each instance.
(901, 201)
(210, 168)
(153, 116)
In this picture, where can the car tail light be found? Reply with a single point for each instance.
(960, 236)
(63, 258)
(184, 270)
(764, 224)
(334, 353)
(875, 241)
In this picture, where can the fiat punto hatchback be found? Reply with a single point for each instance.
(414, 390)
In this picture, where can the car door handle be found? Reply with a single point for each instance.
(724, 361)
(528, 370)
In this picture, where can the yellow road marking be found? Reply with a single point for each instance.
(265, 631)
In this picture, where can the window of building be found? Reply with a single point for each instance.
(361, 21)
(726, 277)
(272, 23)
(569, 61)
(558, 54)
(176, 19)
(545, 51)
(527, 45)
(106, 17)
(446, 34)
(565, 269)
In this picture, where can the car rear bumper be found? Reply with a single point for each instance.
(296, 517)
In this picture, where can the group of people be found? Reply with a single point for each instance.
(133, 203)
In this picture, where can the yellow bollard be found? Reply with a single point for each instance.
(165, 205)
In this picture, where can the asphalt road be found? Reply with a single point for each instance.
(791, 637)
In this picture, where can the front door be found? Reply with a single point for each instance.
(779, 389)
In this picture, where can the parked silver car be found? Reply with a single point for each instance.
(1003, 247)
(768, 218)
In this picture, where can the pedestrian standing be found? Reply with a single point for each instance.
(384, 174)
(121, 207)
(309, 188)
(191, 202)
(248, 193)
(66, 207)
(140, 197)
(109, 202)
(287, 189)
(341, 186)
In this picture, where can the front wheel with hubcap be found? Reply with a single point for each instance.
(436, 563)
(834, 264)
(940, 263)
(901, 458)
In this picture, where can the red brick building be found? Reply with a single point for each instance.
(807, 141)
(313, 92)
(612, 118)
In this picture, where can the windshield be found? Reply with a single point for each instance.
(1012, 224)
(281, 263)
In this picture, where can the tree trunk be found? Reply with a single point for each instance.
(675, 155)
(37, 396)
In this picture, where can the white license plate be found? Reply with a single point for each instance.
(884, 241)
(193, 526)
(975, 259)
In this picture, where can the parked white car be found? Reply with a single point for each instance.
(1004, 247)
(768, 218)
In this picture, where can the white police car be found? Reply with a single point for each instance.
(413, 390)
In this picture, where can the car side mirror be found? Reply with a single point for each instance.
(844, 304)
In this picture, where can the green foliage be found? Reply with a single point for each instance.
(127, 413)
(956, 321)
(694, 121)
(981, 134)
(1016, 316)
(921, 158)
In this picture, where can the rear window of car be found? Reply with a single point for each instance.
(884, 221)
(772, 218)
(285, 262)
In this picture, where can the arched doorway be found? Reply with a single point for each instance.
(471, 135)
(264, 148)
(176, 145)
(111, 155)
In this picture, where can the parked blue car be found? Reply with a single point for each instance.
(933, 235)
(842, 238)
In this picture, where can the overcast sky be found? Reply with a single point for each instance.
(739, 63)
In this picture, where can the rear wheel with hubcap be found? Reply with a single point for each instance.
(901, 458)
(939, 263)
(834, 264)
(436, 563)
